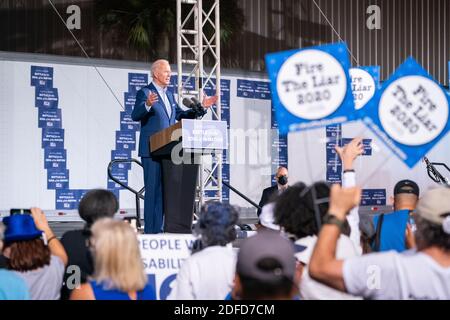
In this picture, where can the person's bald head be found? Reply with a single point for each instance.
(282, 177)
(161, 72)
(282, 171)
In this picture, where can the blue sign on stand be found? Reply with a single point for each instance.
(245, 88)
(125, 140)
(373, 197)
(46, 97)
(410, 113)
(53, 138)
(311, 87)
(125, 155)
(50, 118)
(126, 123)
(67, 199)
(55, 159)
(41, 76)
(333, 162)
(119, 174)
(57, 179)
(262, 90)
(130, 100)
(136, 81)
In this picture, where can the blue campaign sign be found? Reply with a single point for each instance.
(126, 123)
(49, 118)
(57, 179)
(410, 113)
(130, 100)
(55, 159)
(67, 199)
(136, 81)
(173, 85)
(42, 76)
(115, 155)
(365, 82)
(333, 162)
(367, 145)
(52, 138)
(125, 140)
(119, 174)
(311, 87)
(189, 84)
(245, 88)
(46, 98)
(262, 90)
(373, 197)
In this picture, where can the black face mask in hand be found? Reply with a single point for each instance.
(283, 180)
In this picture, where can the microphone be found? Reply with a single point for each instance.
(188, 103)
(198, 107)
(196, 101)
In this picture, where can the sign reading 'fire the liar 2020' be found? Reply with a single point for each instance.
(311, 87)
(410, 113)
(365, 82)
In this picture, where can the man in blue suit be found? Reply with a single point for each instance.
(156, 109)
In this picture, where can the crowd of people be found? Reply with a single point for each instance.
(315, 247)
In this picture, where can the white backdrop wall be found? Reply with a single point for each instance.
(90, 118)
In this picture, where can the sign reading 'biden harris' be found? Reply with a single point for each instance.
(410, 113)
(311, 87)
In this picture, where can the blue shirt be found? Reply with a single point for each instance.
(100, 293)
(393, 230)
(12, 287)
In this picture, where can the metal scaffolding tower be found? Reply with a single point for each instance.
(198, 38)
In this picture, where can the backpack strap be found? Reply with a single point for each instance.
(377, 240)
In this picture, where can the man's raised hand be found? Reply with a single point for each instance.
(350, 152)
(151, 99)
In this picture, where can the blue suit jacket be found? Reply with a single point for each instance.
(157, 118)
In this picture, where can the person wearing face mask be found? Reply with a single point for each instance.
(270, 193)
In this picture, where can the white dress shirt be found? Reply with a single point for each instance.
(165, 100)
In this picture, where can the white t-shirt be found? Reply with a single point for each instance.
(311, 289)
(397, 276)
(206, 275)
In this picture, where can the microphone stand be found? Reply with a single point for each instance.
(434, 174)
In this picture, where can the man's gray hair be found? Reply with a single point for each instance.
(156, 64)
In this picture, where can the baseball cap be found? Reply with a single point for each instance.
(406, 186)
(434, 206)
(266, 244)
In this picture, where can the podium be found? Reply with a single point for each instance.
(179, 149)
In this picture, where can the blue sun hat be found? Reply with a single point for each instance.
(20, 227)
